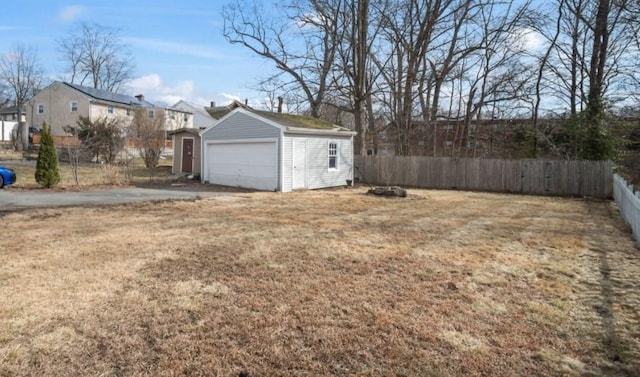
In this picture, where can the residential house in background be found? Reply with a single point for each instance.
(10, 114)
(61, 104)
(201, 118)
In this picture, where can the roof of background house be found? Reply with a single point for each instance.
(105, 95)
(218, 112)
(11, 110)
(197, 108)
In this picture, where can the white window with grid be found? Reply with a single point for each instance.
(333, 155)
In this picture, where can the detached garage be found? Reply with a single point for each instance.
(276, 152)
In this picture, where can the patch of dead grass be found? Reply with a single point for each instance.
(321, 283)
(89, 175)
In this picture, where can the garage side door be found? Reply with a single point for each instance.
(250, 165)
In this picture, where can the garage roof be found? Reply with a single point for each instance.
(297, 121)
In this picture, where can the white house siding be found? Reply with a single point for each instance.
(318, 174)
(174, 119)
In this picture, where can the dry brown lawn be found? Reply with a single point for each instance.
(91, 175)
(321, 283)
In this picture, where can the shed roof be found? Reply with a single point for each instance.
(193, 131)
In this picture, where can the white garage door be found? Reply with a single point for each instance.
(251, 165)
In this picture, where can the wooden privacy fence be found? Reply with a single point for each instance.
(629, 203)
(540, 177)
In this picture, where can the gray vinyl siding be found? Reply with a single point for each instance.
(241, 126)
(317, 172)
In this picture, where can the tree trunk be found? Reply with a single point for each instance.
(23, 135)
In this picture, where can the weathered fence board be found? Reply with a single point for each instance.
(541, 177)
(629, 204)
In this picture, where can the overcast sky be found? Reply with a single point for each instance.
(178, 46)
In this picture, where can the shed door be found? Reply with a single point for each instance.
(299, 164)
(243, 164)
(187, 155)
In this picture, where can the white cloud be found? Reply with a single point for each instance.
(528, 39)
(71, 13)
(155, 90)
(231, 97)
(175, 48)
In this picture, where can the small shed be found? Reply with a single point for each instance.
(186, 151)
(276, 152)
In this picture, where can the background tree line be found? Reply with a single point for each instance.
(396, 69)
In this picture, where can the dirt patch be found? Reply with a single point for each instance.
(321, 283)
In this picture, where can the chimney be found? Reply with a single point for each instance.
(280, 100)
(140, 97)
(246, 101)
(213, 104)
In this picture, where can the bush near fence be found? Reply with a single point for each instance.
(628, 201)
(529, 176)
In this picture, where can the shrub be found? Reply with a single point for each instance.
(47, 173)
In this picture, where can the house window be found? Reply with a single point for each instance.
(40, 109)
(333, 155)
(74, 106)
(128, 112)
(172, 115)
(150, 113)
(185, 117)
(110, 109)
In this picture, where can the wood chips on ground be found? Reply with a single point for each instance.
(321, 283)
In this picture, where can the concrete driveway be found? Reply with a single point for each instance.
(14, 199)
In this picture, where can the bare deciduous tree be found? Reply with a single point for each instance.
(417, 62)
(20, 71)
(97, 57)
(148, 133)
(354, 76)
(302, 45)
